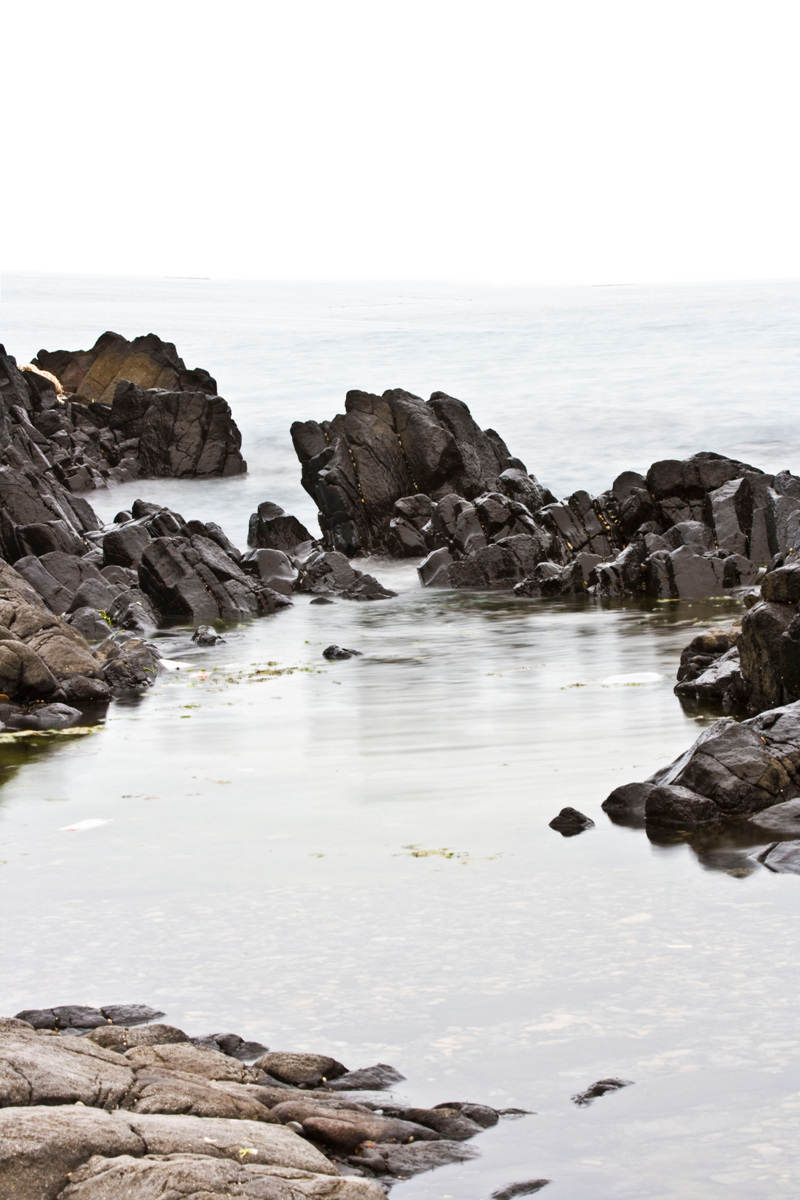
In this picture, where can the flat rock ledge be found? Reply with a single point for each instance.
(95, 1109)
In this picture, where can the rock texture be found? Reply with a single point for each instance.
(733, 770)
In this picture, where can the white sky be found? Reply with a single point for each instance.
(511, 141)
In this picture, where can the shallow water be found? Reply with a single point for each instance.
(355, 857)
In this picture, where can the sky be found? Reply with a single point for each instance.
(498, 141)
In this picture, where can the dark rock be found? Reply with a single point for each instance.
(330, 573)
(769, 649)
(205, 635)
(733, 770)
(403, 1161)
(124, 547)
(146, 361)
(447, 1122)
(322, 600)
(344, 1128)
(366, 1079)
(130, 1014)
(89, 623)
(274, 568)
(131, 609)
(720, 683)
(133, 669)
(335, 653)
(195, 580)
(93, 593)
(782, 586)
(527, 1187)
(272, 529)
(601, 1088)
(307, 1070)
(706, 649)
(232, 1044)
(569, 822)
(44, 716)
(626, 804)
(82, 690)
(782, 857)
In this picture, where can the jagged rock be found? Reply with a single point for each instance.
(125, 546)
(769, 649)
(388, 447)
(782, 586)
(205, 635)
(783, 858)
(193, 579)
(720, 683)
(733, 770)
(300, 1069)
(130, 1014)
(272, 529)
(570, 821)
(89, 623)
(330, 573)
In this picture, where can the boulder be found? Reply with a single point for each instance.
(125, 546)
(274, 568)
(769, 649)
(122, 1038)
(733, 770)
(344, 1129)
(195, 1060)
(42, 716)
(404, 1161)
(570, 822)
(271, 528)
(130, 666)
(782, 857)
(330, 573)
(307, 1070)
(193, 579)
(37, 1069)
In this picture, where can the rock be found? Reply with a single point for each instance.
(124, 547)
(769, 650)
(56, 1070)
(205, 635)
(447, 1122)
(781, 819)
(271, 528)
(41, 1146)
(600, 1088)
(366, 1079)
(331, 574)
(569, 822)
(195, 580)
(706, 649)
(146, 361)
(782, 586)
(343, 1129)
(133, 668)
(89, 623)
(274, 568)
(404, 1161)
(130, 1014)
(307, 1070)
(335, 653)
(321, 600)
(782, 857)
(157, 1090)
(527, 1187)
(200, 1176)
(184, 1056)
(231, 1043)
(733, 770)
(385, 448)
(721, 683)
(45, 716)
(122, 1038)
(226, 1139)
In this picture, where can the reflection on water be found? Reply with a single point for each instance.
(255, 872)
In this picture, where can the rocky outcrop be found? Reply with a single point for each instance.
(384, 448)
(144, 1109)
(733, 771)
(769, 645)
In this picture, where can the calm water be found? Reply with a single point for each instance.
(260, 865)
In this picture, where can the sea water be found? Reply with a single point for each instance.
(355, 858)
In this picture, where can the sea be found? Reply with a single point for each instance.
(355, 858)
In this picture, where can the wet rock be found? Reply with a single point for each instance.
(231, 1043)
(452, 1123)
(769, 650)
(133, 668)
(413, 1159)
(336, 653)
(274, 568)
(601, 1088)
(307, 1070)
(527, 1187)
(227, 1139)
(124, 547)
(343, 1129)
(366, 1079)
(783, 858)
(205, 635)
(130, 1014)
(782, 586)
(721, 683)
(271, 528)
(156, 1090)
(321, 600)
(81, 690)
(781, 819)
(44, 716)
(570, 821)
(89, 623)
(195, 580)
(481, 1114)
(330, 573)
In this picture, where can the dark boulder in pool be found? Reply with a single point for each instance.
(570, 821)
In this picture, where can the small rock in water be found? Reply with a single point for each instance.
(45, 716)
(366, 1079)
(524, 1188)
(334, 653)
(205, 635)
(599, 1089)
(569, 822)
(322, 600)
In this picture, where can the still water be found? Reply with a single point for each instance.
(355, 857)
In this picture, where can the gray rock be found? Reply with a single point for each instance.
(57, 1070)
(783, 858)
(45, 716)
(527, 1187)
(130, 1014)
(404, 1161)
(196, 1060)
(89, 623)
(601, 1088)
(344, 1129)
(274, 568)
(272, 529)
(300, 1069)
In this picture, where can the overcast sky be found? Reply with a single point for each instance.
(507, 141)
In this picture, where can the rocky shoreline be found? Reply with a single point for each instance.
(100, 1103)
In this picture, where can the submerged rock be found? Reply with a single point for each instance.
(601, 1088)
(335, 653)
